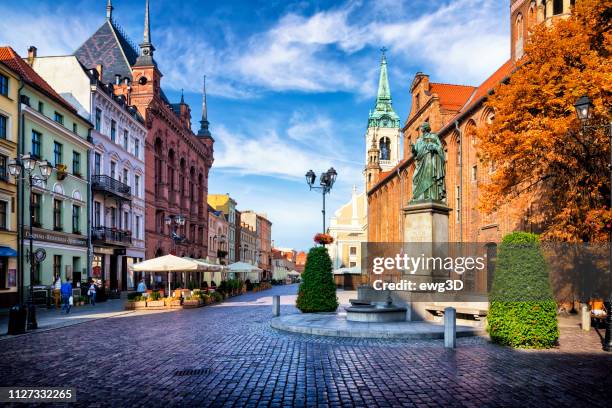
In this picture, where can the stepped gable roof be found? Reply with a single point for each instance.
(110, 47)
(452, 97)
(11, 59)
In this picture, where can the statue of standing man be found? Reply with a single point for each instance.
(428, 179)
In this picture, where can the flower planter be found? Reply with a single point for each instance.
(192, 303)
(155, 304)
(173, 304)
(132, 305)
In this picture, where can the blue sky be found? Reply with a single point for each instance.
(290, 83)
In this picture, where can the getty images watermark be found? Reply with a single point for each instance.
(450, 271)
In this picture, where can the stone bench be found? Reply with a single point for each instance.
(474, 313)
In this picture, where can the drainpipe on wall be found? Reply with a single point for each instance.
(401, 205)
(20, 196)
(460, 181)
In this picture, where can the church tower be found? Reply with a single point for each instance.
(383, 134)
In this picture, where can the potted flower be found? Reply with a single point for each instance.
(155, 301)
(323, 239)
(191, 302)
(173, 302)
(61, 171)
(135, 301)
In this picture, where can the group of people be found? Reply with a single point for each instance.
(63, 291)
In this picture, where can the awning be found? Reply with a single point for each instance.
(7, 251)
(168, 263)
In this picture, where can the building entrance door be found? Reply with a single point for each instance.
(113, 273)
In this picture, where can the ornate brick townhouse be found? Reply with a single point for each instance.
(177, 161)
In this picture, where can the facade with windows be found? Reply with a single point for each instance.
(263, 243)
(54, 131)
(348, 227)
(227, 205)
(9, 113)
(117, 168)
(218, 231)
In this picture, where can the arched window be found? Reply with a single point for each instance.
(557, 7)
(158, 163)
(385, 148)
(519, 31)
(171, 170)
(182, 180)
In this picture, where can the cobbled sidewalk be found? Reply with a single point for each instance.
(227, 355)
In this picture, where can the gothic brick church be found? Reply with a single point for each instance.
(455, 112)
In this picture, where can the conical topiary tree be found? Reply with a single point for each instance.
(317, 291)
(523, 312)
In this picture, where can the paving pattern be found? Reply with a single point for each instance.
(228, 355)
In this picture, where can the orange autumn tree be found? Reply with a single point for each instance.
(540, 153)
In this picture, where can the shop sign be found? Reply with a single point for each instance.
(55, 237)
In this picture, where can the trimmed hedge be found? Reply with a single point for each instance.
(317, 291)
(522, 312)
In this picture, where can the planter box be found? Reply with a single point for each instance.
(174, 304)
(191, 304)
(155, 304)
(131, 305)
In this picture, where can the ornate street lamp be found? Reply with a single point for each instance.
(24, 169)
(584, 108)
(174, 221)
(584, 112)
(326, 182)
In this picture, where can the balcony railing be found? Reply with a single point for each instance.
(110, 185)
(111, 236)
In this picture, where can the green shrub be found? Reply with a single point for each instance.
(317, 291)
(217, 297)
(522, 312)
(155, 295)
(133, 296)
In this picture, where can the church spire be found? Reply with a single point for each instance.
(204, 132)
(146, 47)
(109, 10)
(384, 91)
(383, 114)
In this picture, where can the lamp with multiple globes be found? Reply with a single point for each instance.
(326, 182)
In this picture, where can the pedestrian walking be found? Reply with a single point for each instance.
(57, 288)
(92, 292)
(66, 292)
(142, 286)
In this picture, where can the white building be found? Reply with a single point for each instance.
(117, 166)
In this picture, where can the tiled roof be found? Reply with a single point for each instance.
(111, 48)
(482, 91)
(452, 97)
(491, 82)
(11, 59)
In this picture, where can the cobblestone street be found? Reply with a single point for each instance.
(238, 360)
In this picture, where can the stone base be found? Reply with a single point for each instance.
(372, 314)
(336, 325)
(426, 221)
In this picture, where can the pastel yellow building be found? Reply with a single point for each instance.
(349, 229)
(9, 114)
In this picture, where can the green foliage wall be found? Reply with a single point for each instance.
(317, 291)
(523, 312)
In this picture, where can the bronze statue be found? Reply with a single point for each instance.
(428, 178)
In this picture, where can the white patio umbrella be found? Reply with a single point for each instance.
(249, 271)
(167, 264)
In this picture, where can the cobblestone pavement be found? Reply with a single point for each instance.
(238, 360)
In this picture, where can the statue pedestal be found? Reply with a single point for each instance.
(425, 234)
(426, 221)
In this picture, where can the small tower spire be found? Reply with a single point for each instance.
(182, 97)
(384, 90)
(109, 10)
(204, 131)
(146, 47)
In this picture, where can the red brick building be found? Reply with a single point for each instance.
(177, 161)
(455, 112)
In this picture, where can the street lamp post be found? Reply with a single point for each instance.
(584, 112)
(173, 222)
(23, 169)
(326, 182)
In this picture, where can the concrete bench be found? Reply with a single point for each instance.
(473, 313)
